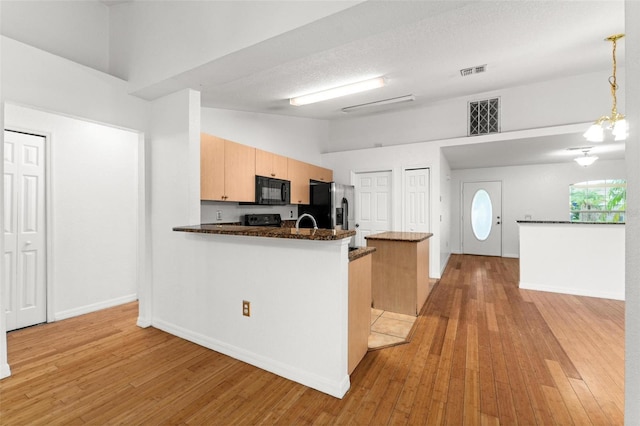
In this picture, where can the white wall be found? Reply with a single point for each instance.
(550, 103)
(396, 158)
(148, 38)
(32, 77)
(541, 191)
(93, 211)
(445, 211)
(76, 30)
(632, 321)
(301, 138)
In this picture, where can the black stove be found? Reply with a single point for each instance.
(265, 219)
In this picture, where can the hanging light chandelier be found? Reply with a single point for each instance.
(616, 123)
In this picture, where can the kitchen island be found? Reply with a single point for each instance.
(400, 271)
(581, 258)
(297, 285)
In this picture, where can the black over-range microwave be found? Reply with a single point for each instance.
(272, 191)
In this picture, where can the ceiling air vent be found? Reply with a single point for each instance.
(473, 70)
(484, 117)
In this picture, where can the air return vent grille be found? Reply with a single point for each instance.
(473, 70)
(484, 117)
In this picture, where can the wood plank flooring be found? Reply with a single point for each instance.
(483, 352)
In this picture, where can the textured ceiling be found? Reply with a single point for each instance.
(418, 46)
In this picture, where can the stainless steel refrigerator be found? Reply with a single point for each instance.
(333, 206)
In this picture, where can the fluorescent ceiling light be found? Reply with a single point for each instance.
(406, 98)
(337, 92)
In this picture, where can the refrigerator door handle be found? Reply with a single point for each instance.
(345, 213)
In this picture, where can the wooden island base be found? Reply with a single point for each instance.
(400, 271)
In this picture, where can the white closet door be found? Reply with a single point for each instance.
(416, 200)
(24, 230)
(373, 204)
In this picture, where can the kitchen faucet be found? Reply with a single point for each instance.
(302, 216)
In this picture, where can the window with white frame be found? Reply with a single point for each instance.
(598, 201)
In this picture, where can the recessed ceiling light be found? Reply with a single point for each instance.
(337, 92)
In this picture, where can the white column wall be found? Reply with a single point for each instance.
(632, 321)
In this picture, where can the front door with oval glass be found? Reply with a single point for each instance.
(482, 218)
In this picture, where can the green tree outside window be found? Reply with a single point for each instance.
(598, 201)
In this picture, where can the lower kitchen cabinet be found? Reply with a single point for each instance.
(359, 309)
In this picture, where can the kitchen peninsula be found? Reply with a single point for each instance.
(297, 284)
(581, 258)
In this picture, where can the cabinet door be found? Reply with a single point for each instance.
(280, 167)
(211, 168)
(264, 163)
(239, 172)
(271, 165)
(321, 174)
(299, 177)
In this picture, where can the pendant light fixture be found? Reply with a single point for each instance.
(616, 122)
(586, 159)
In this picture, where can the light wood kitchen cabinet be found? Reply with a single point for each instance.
(227, 170)
(400, 271)
(300, 173)
(320, 173)
(271, 165)
(359, 309)
(299, 177)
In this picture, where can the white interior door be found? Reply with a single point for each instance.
(416, 200)
(482, 218)
(24, 230)
(373, 204)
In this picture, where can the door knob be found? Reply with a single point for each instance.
(27, 243)
(357, 225)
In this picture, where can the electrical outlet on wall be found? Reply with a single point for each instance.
(246, 308)
(218, 214)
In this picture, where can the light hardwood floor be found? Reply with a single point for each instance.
(483, 352)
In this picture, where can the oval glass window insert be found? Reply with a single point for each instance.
(481, 215)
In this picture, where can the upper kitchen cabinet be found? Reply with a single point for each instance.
(320, 173)
(300, 173)
(271, 165)
(227, 170)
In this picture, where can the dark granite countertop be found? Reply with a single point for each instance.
(414, 237)
(360, 252)
(568, 222)
(264, 231)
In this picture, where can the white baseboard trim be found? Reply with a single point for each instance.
(81, 310)
(570, 290)
(443, 265)
(333, 388)
(5, 371)
(143, 322)
(512, 255)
